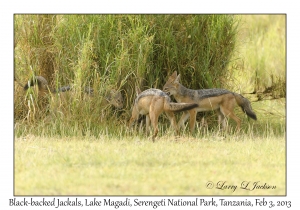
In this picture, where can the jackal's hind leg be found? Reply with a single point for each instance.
(227, 113)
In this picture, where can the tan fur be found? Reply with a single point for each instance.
(153, 103)
(220, 100)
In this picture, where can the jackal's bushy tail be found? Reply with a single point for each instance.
(244, 103)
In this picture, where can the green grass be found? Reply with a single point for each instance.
(136, 166)
(259, 61)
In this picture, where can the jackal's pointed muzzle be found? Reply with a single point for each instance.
(166, 90)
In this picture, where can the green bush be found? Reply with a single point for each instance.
(121, 52)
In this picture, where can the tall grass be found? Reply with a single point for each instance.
(260, 55)
(118, 51)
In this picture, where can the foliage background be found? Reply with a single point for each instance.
(244, 53)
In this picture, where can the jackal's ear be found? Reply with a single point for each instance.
(174, 74)
(177, 79)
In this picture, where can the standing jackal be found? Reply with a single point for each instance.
(221, 100)
(152, 103)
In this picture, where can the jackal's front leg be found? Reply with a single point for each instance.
(183, 119)
(222, 121)
(147, 124)
(132, 119)
(193, 115)
(172, 119)
(154, 123)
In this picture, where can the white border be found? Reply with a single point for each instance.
(134, 6)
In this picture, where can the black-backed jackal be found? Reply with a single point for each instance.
(152, 103)
(59, 99)
(221, 100)
(113, 97)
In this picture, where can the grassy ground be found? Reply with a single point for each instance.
(130, 164)
(136, 166)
